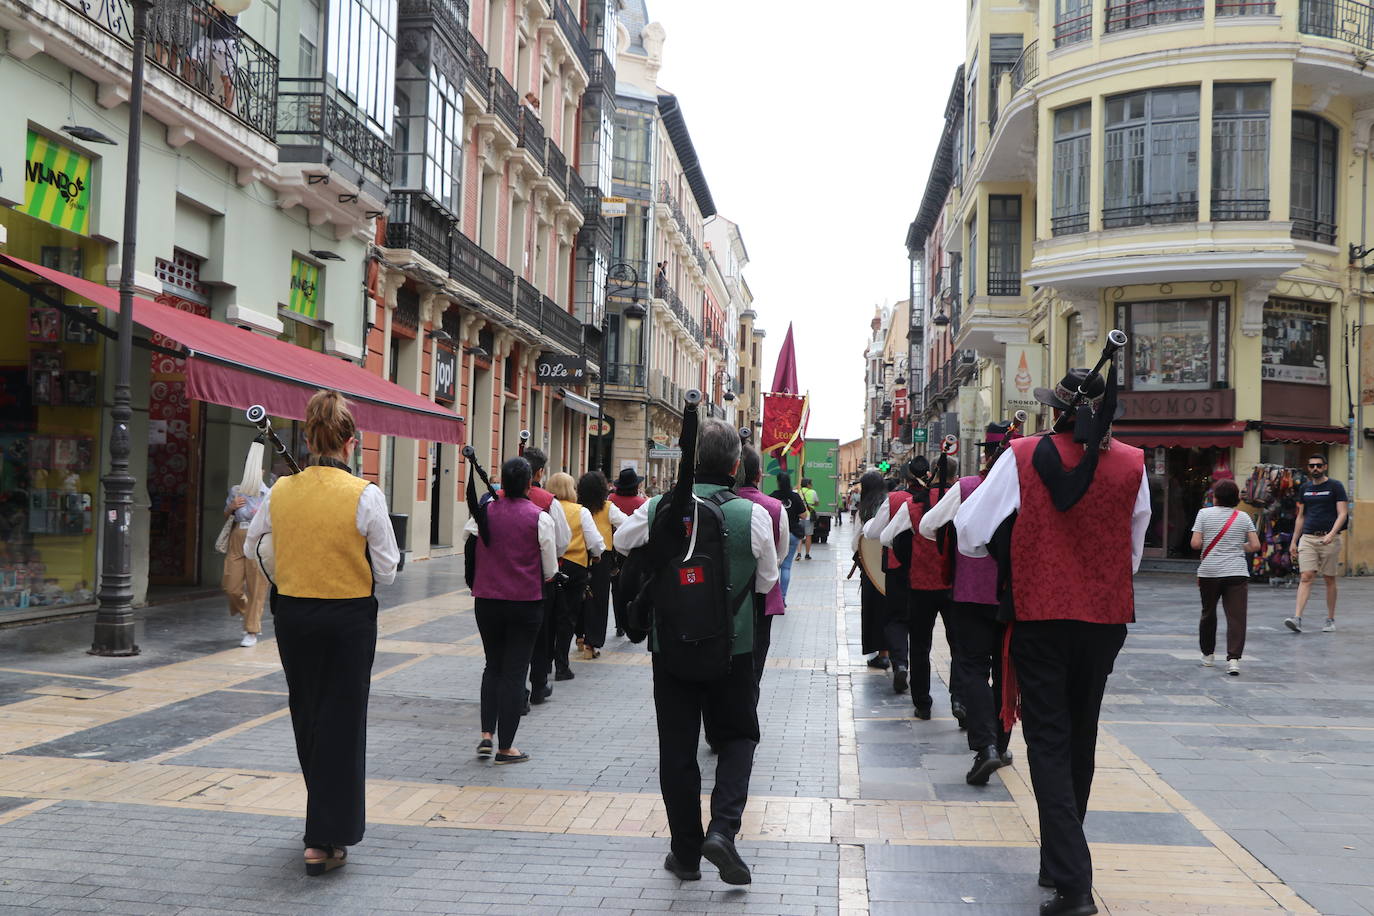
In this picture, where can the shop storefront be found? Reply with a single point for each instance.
(50, 364)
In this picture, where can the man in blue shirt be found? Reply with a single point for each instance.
(1322, 510)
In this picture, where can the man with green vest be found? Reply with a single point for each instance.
(728, 705)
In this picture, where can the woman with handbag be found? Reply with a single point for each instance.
(1225, 535)
(243, 581)
(333, 543)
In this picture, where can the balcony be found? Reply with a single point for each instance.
(568, 24)
(530, 133)
(206, 51)
(625, 375)
(1314, 230)
(1004, 283)
(1347, 20)
(1069, 223)
(451, 16)
(1245, 7)
(482, 272)
(502, 100)
(1224, 209)
(420, 225)
(602, 75)
(559, 325)
(1174, 211)
(1026, 70)
(527, 304)
(1070, 29)
(477, 62)
(1140, 14)
(556, 167)
(321, 124)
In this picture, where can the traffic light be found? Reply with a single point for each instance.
(884, 465)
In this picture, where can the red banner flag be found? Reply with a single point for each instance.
(784, 423)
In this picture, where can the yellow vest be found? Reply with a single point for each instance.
(577, 547)
(603, 524)
(319, 552)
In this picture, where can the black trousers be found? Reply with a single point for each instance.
(620, 596)
(912, 634)
(763, 637)
(508, 630)
(730, 714)
(1062, 667)
(1233, 594)
(541, 658)
(872, 616)
(977, 676)
(897, 616)
(327, 647)
(598, 605)
(568, 610)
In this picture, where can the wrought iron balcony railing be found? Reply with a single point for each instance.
(477, 62)
(502, 100)
(1225, 209)
(1026, 70)
(1139, 14)
(482, 272)
(204, 49)
(1348, 20)
(560, 326)
(1314, 230)
(577, 192)
(566, 20)
(451, 15)
(530, 133)
(1245, 7)
(312, 114)
(527, 304)
(1004, 283)
(602, 75)
(556, 167)
(1073, 29)
(1069, 223)
(626, 375)
(419, 224)
(1174, 211)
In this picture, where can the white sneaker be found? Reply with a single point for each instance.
(249, 639)
(1329, 626)
(1233, 667)
(1208, 661)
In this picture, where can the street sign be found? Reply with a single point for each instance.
(673, 453)
(556, 369)
(919, 435)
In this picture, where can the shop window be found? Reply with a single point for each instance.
(1313, 183)
(1240, 151)
(1151, 158)
(1175, 344)
(1297, 342)
(1072, 169)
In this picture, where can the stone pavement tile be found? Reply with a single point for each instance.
(1152, 828)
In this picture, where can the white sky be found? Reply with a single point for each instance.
(816, 128)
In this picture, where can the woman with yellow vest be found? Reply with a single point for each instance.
(333, 542)
(584, 549)
(593, 493)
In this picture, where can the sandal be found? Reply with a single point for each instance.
(334, 857)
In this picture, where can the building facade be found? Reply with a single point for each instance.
(1194, 173)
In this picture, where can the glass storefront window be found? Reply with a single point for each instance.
(1297, 340)
(1174, 343)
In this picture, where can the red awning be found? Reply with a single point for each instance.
(1308, 435)
(238, 368)
(1169, 435)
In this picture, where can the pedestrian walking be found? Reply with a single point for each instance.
(772, 604)
(687, 692)
(515, 556)
(1081, 511)
(1225, 535)
(333, 544)
(584, 549)
(541, 659)
(795, 507)
(896, 568)
(1323, 508)
(627, 499)
(872, 604)
(243, 580)
(811, 499)
(592, 494)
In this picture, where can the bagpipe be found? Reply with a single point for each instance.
(477, 509)
(1090, 429)
(266, 555)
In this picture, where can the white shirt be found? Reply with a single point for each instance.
(635, 533)
(999, 495)
(873, 528)
(942, 513)
(591, 535)
(373, 521)
(548, 547)
(562, 534)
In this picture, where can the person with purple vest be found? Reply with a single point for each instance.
(978, 633)
(516, 556)
(771, 605)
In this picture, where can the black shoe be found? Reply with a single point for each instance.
(720, 851)
(808, 556)
(878, 661)
(959, 712)
(1071, 905)
(540, 694)
(1044, 881)
(1006, 758)
(563, 674)
(682, 872)
(525, 710)
(984, 764)
(921, 712)
(899, 679)
(620, 631)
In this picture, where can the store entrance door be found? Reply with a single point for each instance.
(1179, 480)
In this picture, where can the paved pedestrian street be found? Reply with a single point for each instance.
(167, 783)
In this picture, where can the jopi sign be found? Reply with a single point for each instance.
(57, 185)
(445, 375)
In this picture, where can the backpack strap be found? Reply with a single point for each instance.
(720, 498)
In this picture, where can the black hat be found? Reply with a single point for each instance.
(997, 434)
(918, 468)
(628, 480)
(1062, 393)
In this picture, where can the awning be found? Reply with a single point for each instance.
(1300, 433)
(580, 404)
(238, 368)
(1177, 435)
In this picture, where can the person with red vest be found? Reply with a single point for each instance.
(978, 634)
(896, 562)
(929, 576)
(1067, 514)
(541, 662)
(627, 499)
(772, 605)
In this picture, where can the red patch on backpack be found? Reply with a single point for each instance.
(691, 575)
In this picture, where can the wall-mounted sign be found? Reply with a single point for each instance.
(305, 288)
(1021, 376)
(57, 185)
(1208, 404)
(919, 435)
(556, 369)
(600, 427)
(445, 375)
(614, 206)
(1297, 336)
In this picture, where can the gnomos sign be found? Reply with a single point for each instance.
(556, 369)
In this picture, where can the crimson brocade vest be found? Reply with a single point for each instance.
(931, 569)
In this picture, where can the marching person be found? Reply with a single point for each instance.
(515, 558)
(896, 568)
(333, 543)
(1225, 535)
(978, 634)
(728, 704)
(772, 605)
(592, 493)
(541, 659)
(1323, 508)
(627, 499)
(872, 494)
(1081, 511)
(243, 580)
(584, 550)
(795, 507)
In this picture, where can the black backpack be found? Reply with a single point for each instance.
(691, 600)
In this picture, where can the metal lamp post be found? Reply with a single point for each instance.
(626, 278)
(114, 621)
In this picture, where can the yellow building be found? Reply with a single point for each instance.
(1194, 172)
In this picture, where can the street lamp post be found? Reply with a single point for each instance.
(114, 621)
(626, 278)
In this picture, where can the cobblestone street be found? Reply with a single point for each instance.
(167, 783)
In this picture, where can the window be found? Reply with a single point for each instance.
(1314, 179)
(971, 118)
(1073, 21)
(1240, 151)
(1076, 348)
(428, 135)
(1297, 340)
(1004, 52)
(634, 148)
(1072, 168)
(307, 54)
(1137, 14)
(1004, 246)
(1245, 7)
(1175, 344)
(973, 256)
(1151, 158)
(362, 55)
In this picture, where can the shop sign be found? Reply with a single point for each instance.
(665, 454)
(445, 375)
(1213, 404)
(1021, 376)
(599, 427)
(556, 369)
(305, 288)
(1297, 336)
(614, 206)
(661, 440)
(920, 435)
(57, 185)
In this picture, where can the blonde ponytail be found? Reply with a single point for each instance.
(328, 423)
